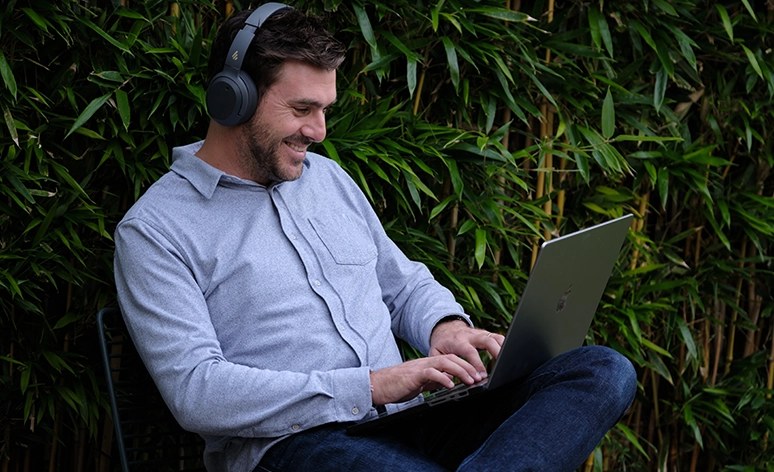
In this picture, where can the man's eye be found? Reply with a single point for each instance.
(301, 111)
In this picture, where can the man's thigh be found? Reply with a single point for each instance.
(329, 448)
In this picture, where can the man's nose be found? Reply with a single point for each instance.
(314, 128)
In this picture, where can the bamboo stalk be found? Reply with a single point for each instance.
(769, 382)
(681, 357)
(754, 307)
(637, 227)
(58, 408)
(561, 195)
(694, 457)
(720, 314)
(546, 127)
(229, 8)
(735, 313)
(7, 442)
(589, 462)
(549, 165)
(419, 90)
(705, 370)
(657, 414)
(106, 449)
(79, 459)
(451, 238)
(497, 255)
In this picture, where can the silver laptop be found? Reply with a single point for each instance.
(554, 313)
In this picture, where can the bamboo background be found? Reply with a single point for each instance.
(477, 129)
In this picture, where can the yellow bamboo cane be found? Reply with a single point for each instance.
(769, 382)
(545, 130)
(735, 313)
(174, 11)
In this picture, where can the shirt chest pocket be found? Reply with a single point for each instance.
(347, 240)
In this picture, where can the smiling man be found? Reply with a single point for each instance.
(265, 297)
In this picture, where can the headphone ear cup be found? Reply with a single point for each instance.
(231, 97)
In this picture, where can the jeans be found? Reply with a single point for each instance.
(550, 421)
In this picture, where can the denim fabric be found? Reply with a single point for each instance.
(550, 421)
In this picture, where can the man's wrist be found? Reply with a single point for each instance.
(448, 318)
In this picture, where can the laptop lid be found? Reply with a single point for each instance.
(560, 299)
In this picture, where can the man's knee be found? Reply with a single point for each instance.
(614, 377)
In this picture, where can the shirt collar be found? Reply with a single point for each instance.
(198, 173)
(203, 176)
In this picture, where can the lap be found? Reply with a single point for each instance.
(442, 437)
(329, 448)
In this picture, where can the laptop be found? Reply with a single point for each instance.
(553, 316)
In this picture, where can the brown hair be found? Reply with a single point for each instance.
(287, 35)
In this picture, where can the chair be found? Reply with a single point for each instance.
(148, 437)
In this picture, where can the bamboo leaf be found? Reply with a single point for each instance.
(608, 116)
(503, 14)
(645, 139)
(687, 337)
(753, 61)
(593, 19)
(88, 112)
(658, 364)
(122, 102)
(37, 19)
(604, 31)
(7, 74)
(106, 36)
(451, 58)
(365, 25)
(666, 7)
(411, 75)
(19, 187)
(644, 33)
(659, 90)
(632, 438)
(10, 124)
(750, 9)
(480, 246)
(25, 379)
(726, 20)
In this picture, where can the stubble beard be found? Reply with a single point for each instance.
(261, 157)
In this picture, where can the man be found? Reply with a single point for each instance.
(264, 297)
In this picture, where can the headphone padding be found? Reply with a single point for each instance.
(231, 97)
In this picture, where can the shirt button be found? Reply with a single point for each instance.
(293, 237)
(317, 282)
(295, 427)
(355, 410)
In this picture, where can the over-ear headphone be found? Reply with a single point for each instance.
(231, 96)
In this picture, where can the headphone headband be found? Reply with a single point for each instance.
(232, 96)
(245, 36)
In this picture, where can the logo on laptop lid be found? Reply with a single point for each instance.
(563, 299)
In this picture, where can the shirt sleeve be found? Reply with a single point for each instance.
(168, 319)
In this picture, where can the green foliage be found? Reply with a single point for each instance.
(476, 131)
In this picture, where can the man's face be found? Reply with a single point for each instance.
(289, 118)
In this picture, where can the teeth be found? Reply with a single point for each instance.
(294, 147)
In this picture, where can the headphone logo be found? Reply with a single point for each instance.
(235, 56)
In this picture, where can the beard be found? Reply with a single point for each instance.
(261, 154)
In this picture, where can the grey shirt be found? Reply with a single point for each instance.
(259, 311)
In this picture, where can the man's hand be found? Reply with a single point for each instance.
(457, 337)
(453, 353)
(407, 380)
